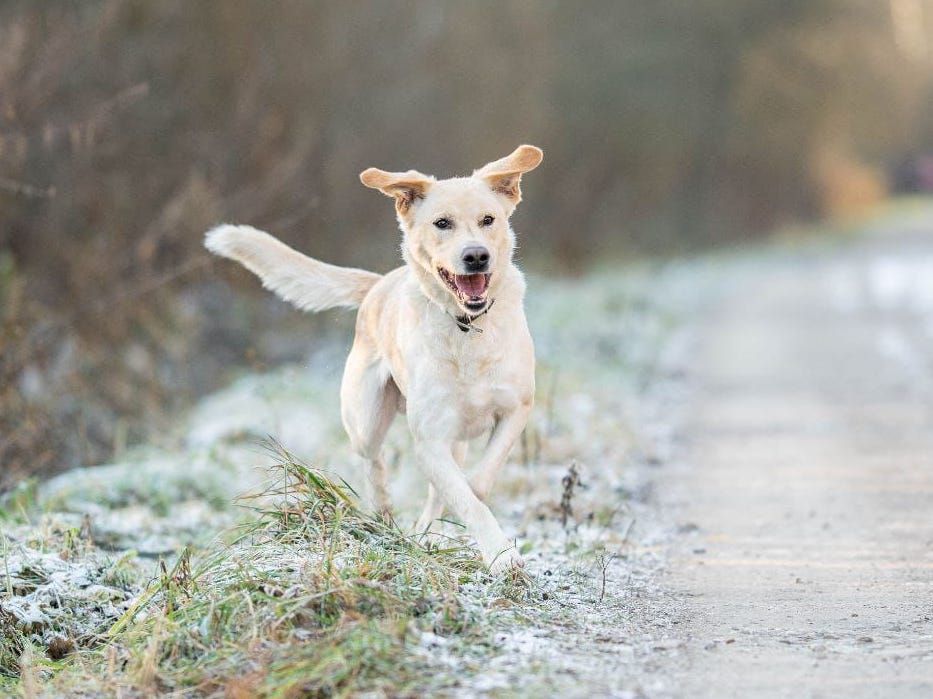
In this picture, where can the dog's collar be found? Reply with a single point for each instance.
(465, 322)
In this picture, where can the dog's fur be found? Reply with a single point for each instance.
(424, 346)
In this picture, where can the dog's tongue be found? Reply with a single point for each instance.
(471, 284)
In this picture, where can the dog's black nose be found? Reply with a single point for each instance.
(475, 259)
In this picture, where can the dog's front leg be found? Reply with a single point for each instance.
(437, 461)
(503, 437)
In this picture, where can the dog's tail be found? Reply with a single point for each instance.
(309, 284)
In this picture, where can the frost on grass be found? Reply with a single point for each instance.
(149, 576)
(59, 592)
(313, 595)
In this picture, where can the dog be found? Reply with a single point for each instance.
(442, 339)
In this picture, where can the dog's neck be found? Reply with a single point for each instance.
(465, 322)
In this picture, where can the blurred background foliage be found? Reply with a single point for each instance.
(128, 127)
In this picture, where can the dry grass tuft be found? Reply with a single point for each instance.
(314, 596)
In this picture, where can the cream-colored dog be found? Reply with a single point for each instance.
(442, 339)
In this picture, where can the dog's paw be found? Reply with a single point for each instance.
(431, 539)
(384, 515)
(506, 561)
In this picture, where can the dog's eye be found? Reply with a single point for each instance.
(487, 220)
(443, 223)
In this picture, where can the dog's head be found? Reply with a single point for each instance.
(457, 233)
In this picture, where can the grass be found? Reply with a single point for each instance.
(16, 503)
(314, 597)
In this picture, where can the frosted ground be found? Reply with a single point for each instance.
(139, 578)
(648, 577)
(98, 596)
(85, 551)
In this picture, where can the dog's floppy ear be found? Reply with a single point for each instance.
(405, 187)
(504, 176)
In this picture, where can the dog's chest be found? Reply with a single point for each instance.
(486, 384)
(459, 384)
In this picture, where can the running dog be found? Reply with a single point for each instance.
(442, 339)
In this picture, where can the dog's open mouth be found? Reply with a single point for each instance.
(470, 289)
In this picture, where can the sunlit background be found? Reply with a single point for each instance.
(127, 128)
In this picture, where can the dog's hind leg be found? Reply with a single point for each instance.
(369, 401)
(504, 435)
(434, 506)
(379, 483)
(433, 509)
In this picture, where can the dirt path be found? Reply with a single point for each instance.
(808, 474)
